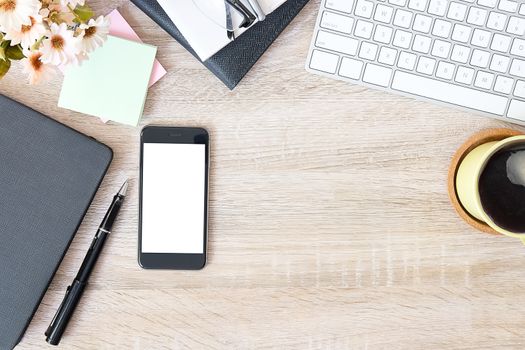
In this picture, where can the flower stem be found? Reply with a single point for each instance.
(38, 43)
(77, 17)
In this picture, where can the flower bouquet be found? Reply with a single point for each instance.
(48, 34)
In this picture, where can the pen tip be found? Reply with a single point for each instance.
(123, 189)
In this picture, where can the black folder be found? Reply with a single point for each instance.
(49, 175)
(232, 63)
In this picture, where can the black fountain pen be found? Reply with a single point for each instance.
(75, 290)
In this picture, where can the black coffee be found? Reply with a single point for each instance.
(502, 189)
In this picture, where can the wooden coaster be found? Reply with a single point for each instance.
(474, 141)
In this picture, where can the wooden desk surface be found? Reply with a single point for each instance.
(330, 225)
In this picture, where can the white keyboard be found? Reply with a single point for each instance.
(466, 53)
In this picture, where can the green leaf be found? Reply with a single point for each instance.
(3, 47)
(84, 13)
(14, 52)
(4, 67)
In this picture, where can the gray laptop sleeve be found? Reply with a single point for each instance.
(49, 175)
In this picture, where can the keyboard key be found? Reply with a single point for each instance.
(500, 43)
(421, 44)
(480, 38)
(522, 9)
(480, 58)
(516, 110)
(461, 33)
(364, 8)
(516, 26)
(438, 7)
(351, 68)
(451, 93)
(363, 29)
(403, 19)
(426, 65)
(464, 75)
(518, 47)
(377, 75)
(460, 53)
(445, 70)
(368, 51)
(477, 16)
(519, 90)
(418, 5)
(441, 48)
(398, 2)
(441, 28)
(387, 56)
(508, 6)
(337, 22)
(402, 39)
(517, 68)
(457, 11)
(383, 13)
(422, 23)
(499, 63)
(484, 80)
(503, 84)
(488, 3)
(340, 5)
(497, 21)
(407, 60)
(383, 34)
(324, 61)
(336, 42)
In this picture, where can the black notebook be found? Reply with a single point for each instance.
(49, 174)
(232, 63)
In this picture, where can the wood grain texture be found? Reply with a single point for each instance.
(330, 225)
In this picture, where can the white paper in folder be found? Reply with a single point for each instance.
(201, 30)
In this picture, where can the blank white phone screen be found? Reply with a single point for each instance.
(173, 185)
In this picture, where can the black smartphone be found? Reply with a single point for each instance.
(173, 209)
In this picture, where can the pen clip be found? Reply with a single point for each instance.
(52, 324)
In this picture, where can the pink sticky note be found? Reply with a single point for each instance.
(120, 28)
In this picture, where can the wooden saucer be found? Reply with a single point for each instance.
(474, 141)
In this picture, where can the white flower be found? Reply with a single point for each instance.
(44, 12)
(60, 13)
(94, 33)
(35, 68)
(28, 34)
(60, 47)
(15, 13)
